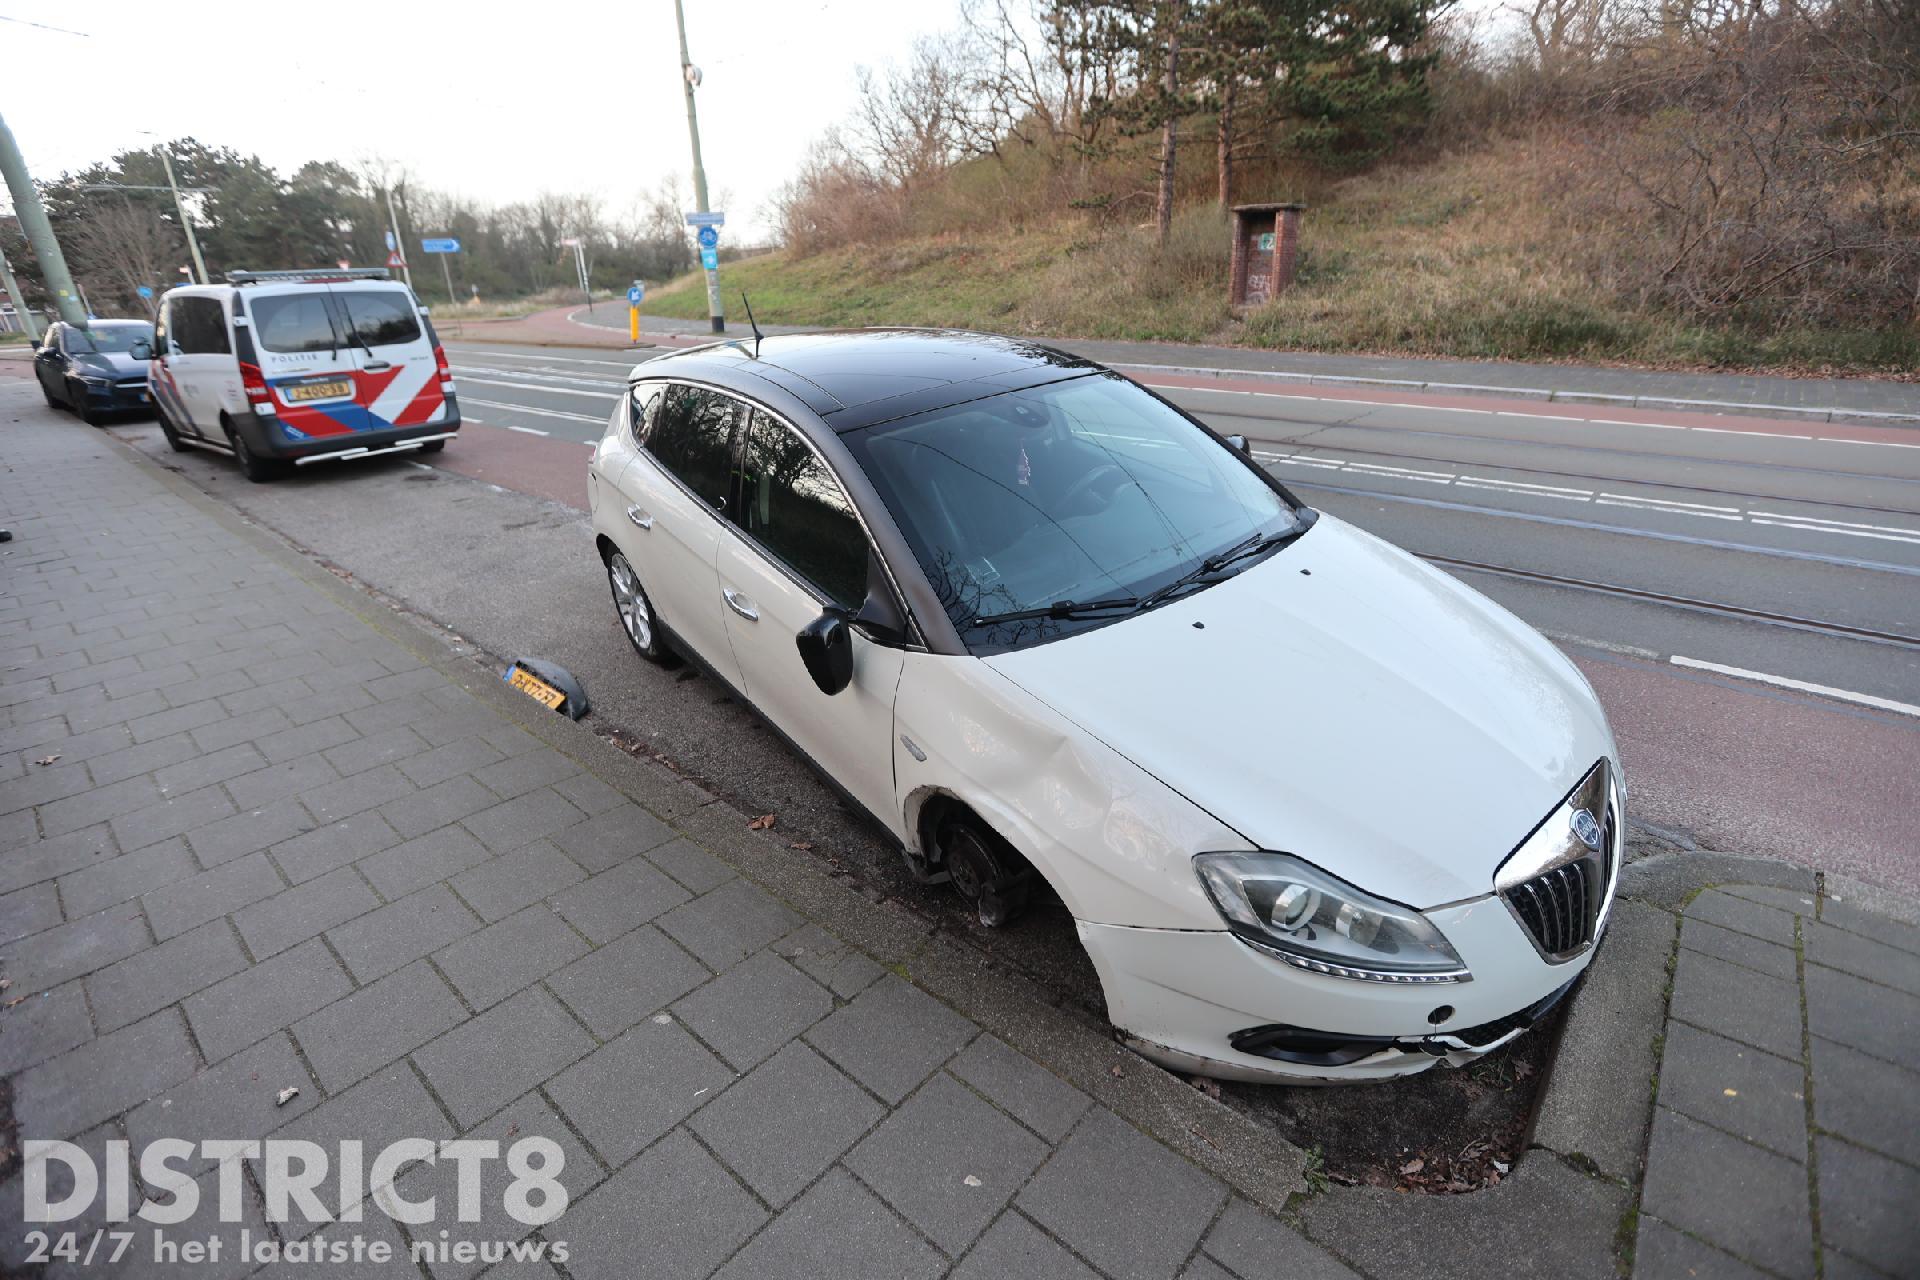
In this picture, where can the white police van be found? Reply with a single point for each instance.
(284, 368)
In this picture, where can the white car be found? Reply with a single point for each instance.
(1319, 811)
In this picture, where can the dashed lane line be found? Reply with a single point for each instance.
(1801, 686)
(596, 419)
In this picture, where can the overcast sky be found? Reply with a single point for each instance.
(490, 100)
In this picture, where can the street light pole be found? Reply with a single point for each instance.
(690, 79)
(186, 220)
(400, 246)
(39, 232)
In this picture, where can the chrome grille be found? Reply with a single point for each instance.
(1558, 906)
(1555, 884)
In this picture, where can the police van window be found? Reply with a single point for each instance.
(379, 316)
(200, 326)
(294, 322)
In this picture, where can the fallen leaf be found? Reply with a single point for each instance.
(971, 1181)
(9, 1004)
(46, 760)
(1731, 1093)
(1412, 1167)
(805, 846)
(285, 1096)
(1116, 1072)
(761, 823)
(5, 983)
(513, 1128)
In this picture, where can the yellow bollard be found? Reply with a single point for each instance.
(633, 323)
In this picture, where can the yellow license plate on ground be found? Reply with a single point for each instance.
(536, 688)
(320, 390)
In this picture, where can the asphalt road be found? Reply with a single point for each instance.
(1744, 593)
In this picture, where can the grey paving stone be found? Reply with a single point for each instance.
(47, 1024)
(892, 1037)
(1729, 1193)
(1748, 1093)
(103, 1077)
(114, 711)
(376, 1024)
(1867, 1206)
(423, 860)
(754, 1008)
(357, 793)
(258, 1001)
(97, 804)
(387, 747)
(1205, 1268)
(612, 836)
(517, 775)
(627, 1093)
(1661, 1253)
(488, 966)
(587, 793)
(1742, 915)
(1253, 1244)
(146, 757)
(1014, 1247)
(1894, 933)
(27, 911)
(691, 865)
(610, 904)
(218, 734)
(1740, 948)
(14, 1246)
(436, 806)
(1875, 1019)
(948, 1161)
(290, 917)
(401, 932)
(374, 1230)
(436, 765)
(789, 1119)
(333, 846)
(1121, 1200)
(1862, 956)
(391, 1101)
(231, 1099)
(171, 817)
(1028, 1091)
(207, 895)
(488, 1061)
(205, 770)
(502, 886)
(1789, 900)
(827, 960)
(52, 956)
(635, 975)
(1737, 1002)
(1869, 1102)
(30, 861)
(726, 925)
(837, 1231)
(523, 820)
(316, 737)
(249, 832)
(157, 977)
(672, 1214)
(1835, 1265)
(44, 785)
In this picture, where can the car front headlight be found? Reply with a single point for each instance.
(1309, 919)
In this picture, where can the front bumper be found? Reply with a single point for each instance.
(1184, 997)
(116, 397)
(266, 439)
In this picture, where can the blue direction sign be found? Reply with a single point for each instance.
(445, 244)
(706, 219)
(144, 290)
(636, 293)
(710, 259)
(708, 238)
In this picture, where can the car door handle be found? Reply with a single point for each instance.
(641, 519)
(376, 366)
(740, 604)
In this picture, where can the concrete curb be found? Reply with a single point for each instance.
(1251, 1159)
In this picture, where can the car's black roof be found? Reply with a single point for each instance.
(859, 377)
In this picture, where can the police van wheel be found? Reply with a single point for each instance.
(174, 441)
(257, 469)
(433, 446)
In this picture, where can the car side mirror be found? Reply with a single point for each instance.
(826, 648)
(1238, 443)
(141, 349)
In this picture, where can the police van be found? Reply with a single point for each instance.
(289, 368)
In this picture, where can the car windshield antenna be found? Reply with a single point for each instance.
(753, 322)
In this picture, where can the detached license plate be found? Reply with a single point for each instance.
(319, 390)
(536, 688)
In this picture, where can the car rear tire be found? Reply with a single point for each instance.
(433, 446)
(637, 619)
(257, 469)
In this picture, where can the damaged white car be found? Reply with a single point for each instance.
(1319, 811)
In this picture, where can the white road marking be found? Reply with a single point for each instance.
(1802, 686)
(1608, 646)
(1671, 511)
(1545, 490)
(1849, 533)
(1844, 524)
(528, 431)
(544, 413)
(493, 354)
(538, 386)
(545, 377)
(1667, 502)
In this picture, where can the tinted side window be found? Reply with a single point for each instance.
(692, 437)
(200, 326)
(795, 508)
(643, 403)
(380, 316)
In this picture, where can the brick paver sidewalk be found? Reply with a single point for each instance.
(250, 841)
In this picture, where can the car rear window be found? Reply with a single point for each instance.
(294, 322)
(379, 316)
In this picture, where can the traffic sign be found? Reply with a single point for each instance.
(636, 293)
(395, 260)
(708, 238)
(710, 259)
(144, 290)
(391, 242)
(445, 244)
(706, 219)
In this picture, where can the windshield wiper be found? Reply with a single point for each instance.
(1258, 544)
(1061, 609)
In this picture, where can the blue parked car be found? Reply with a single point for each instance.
(98, 370)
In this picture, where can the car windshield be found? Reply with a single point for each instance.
(1086, 492)
(102, 337)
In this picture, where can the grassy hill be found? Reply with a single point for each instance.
(1457, 257)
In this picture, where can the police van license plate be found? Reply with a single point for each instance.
(320, 390)
(536, 688)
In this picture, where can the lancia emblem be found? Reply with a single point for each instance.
(1587, 827)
